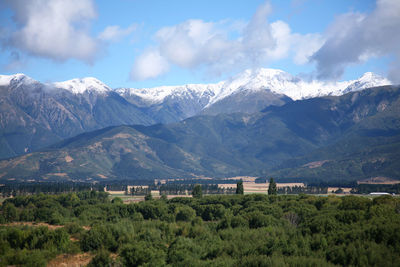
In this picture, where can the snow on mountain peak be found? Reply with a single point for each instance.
(275, 80)
(19, 78)
(369, 79)
(282, 82)
(255, 79)
(80, 86)
(158, 94)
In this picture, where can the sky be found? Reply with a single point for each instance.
(148, 43)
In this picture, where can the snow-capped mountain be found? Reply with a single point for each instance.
(276, 81)
(16, 80)
(249, 91)
(37, 114)
(34, 115)
(84, 85)
(75, 86)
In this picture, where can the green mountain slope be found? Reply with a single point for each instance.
(33, 116)
(349, 137)
(369, 148)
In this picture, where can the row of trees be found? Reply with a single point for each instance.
(272, 189)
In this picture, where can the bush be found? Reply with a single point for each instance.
(184, 213)
(257, 219)
(117, 200)
(102, 259)
(141, 253)
(239, 221)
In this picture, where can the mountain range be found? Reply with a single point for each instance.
(34, 115)
(351, 136)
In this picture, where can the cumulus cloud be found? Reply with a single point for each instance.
(355, 37)
(149, 65)
(196, 43)
(116, 33)
(182, 44)
(55, 29)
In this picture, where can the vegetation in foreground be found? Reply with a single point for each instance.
(235, 230)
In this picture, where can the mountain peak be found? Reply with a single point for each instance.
(368, 79)
(82, 85)
(18, 78)
(260, 74)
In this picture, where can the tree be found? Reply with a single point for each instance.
(164, 197)
(148, 196)
(185, 213)
(10, 212)
(197, 192)
(239, 188)
(272, 187)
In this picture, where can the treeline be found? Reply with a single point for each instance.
(303, 190)
(29, 188)
(369, 188)
(231, 230)
(181, 189)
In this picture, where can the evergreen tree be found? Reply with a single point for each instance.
(239, 188)
(197, 192)
(272, 190)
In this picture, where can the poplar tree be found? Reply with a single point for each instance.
(239, 188)
(272, 187)
(197, 192)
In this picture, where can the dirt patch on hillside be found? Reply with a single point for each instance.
(119, 135)
(315, 164)
(38, 224)
(58, 174)
(68, 260)
(33, 224)
(68, 158)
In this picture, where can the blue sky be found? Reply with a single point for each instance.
(138, 43)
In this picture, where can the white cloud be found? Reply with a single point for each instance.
(354, 37)
(182, 44)
(195, 43)
(55, 29)
(304, 46)
(149, 65)
(115, 32)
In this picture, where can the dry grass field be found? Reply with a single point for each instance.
(379, 180)
(251, 187)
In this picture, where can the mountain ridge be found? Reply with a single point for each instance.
(40, 114)
(360, 130)
(275, 80)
